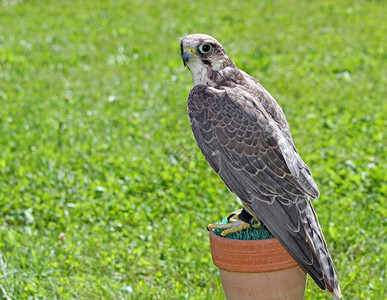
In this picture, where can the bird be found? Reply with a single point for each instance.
(244, 136)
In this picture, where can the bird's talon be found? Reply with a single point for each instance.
(235, 226)
(234, 216)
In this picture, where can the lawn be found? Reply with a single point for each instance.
(104, 193)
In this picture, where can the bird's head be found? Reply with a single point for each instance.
(203, 56)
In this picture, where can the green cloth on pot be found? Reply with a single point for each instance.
(261, 233)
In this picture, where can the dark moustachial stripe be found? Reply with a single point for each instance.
(206, 62)
(181, 48)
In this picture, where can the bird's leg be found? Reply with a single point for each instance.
(245, 216)
(237, 221)
(234, 216)
(235, 226)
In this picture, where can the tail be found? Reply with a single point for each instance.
(316, 240)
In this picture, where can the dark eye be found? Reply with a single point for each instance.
(205, 48)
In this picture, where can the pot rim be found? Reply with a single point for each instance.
(249, 256)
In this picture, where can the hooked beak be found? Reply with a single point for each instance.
(187, 55)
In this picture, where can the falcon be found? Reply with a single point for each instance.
(243, 134)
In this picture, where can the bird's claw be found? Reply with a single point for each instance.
(234, 216)
(235, 226)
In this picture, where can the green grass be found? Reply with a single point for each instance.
(95, 141)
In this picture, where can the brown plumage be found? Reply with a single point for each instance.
(244, 136)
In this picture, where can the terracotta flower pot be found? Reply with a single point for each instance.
(260, 269)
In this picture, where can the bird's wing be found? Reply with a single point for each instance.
(248, 151)
(271, 107)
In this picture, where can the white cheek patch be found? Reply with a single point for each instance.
(199, 72)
